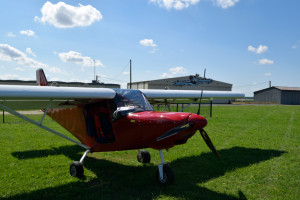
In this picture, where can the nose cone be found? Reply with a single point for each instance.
(198, 121)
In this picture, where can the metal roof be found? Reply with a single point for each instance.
(288, 88)
(280, 88)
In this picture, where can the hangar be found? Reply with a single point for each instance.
(192, 82)
(280, 95)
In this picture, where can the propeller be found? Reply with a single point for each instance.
(208, 142)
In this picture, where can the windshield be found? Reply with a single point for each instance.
(132, 99)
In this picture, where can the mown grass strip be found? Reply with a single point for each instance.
(259, 146)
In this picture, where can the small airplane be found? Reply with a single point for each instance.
(105, 119)
(193, 80)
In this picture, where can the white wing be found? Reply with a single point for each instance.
(39, 97)
(190, 94)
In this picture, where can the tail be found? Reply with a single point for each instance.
(41, 79)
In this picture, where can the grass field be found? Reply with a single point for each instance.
(259, 146)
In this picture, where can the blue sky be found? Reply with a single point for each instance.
(244, 42)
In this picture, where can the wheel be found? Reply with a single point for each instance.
(144, 157)
(76, 169)
(168, 176)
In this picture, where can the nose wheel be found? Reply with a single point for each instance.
(167, 177)
(164, 174)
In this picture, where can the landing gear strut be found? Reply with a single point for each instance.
(164, 173)
(76, 168)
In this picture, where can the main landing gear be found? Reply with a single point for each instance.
(76, 168)
(143, 156)
(164, 174)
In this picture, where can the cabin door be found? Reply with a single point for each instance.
(98, 120)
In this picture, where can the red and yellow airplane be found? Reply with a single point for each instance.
(105, 119)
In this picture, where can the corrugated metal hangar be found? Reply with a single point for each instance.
(280, 95)
(192, 82)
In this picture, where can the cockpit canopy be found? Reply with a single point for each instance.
(130, 101)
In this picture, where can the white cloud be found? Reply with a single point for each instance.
(62, 15)
(20, 69)
(260, 49)
(294, 46)
(27, 32)
(77, 58)
(178, 70)
(174, 71)
(175, 4)
(9, 77)
(268, 74)
(11, 54)
(11, 34)
(265, 62)
(53, 79)
(56, 70)
(30, 52)
(126, 73)
(225, 3)
(166, 75)
(181, 4)
(147, 43)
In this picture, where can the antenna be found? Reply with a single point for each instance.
(94, 70)
(130, 84)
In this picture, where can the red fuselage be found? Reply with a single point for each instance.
(133, 131)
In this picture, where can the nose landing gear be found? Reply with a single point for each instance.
(164, 174)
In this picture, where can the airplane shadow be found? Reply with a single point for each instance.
(117, 181)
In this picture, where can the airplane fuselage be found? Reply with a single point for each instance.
(100, 131)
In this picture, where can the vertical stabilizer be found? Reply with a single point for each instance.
(41, 79)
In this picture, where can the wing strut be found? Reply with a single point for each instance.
(39, 124)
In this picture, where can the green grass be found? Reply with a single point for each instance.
(259, 146)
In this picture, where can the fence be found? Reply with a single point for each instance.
(205, 108)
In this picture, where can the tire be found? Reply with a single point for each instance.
(144, 157)
(76, 169)
(168, 176)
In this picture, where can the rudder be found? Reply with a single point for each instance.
(41, 79)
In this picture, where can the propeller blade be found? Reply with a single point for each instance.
(174, 131)
(208, 142)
